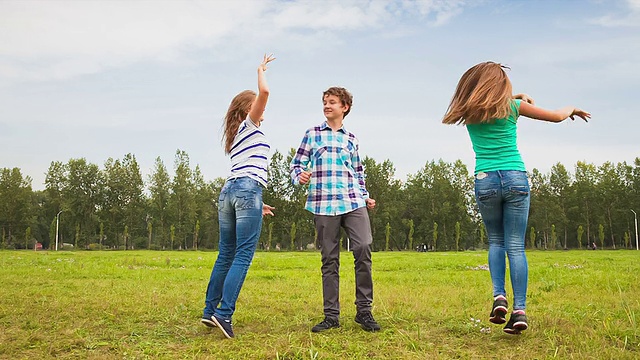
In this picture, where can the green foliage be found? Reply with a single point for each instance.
(457, 235)
(102, 201)
(387, 234)
(410, 235)
(532, 238)
(292, 235)
(601, 235)
(580, 233)
(435, 235)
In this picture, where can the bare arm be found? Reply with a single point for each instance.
(534, 112)
(257, 109)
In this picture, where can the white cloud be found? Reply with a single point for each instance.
(630, 16)
(44, 40)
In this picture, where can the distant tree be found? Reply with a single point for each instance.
(410, 235)
(387, 233)
(435, 235)
(457, 234)
(601, 235)
(292, 235)
(580, 232)
(532, 237)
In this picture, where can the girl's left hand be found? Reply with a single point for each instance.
(581, 114)
(266, 209)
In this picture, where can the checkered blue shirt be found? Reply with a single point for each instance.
(337, 180)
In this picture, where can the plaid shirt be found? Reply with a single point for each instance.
(337, 181)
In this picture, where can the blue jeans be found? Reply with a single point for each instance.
(240, 218)
(503, 199)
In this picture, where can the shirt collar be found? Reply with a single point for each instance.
(325, 126)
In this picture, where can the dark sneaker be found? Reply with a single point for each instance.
(366, 320)
(326, 324)
(206, 320)
(517, 324)
(499, 311)
(224, 325)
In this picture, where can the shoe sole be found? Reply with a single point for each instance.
(208, 323)
(367, 328)
(220, 326)
(499, 314)
(518, 328)
(321, 330)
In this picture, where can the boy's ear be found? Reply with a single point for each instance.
(346, 108)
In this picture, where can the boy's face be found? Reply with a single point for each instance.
(333, 108)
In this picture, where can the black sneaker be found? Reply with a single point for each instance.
(517, 324)
(499, 311)
(208, 322)
(224, 325)
(326, 324)
(366, 320)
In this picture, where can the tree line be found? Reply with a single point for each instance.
(113, 207)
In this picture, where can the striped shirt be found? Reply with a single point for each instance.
(337, 180)
(249, 153)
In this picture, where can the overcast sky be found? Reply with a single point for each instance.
(94, 80)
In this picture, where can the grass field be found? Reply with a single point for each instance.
(144, 304)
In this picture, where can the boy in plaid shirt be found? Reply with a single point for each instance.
(328, 161)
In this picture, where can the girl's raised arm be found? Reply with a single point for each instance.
(257, 109)
(534, 112)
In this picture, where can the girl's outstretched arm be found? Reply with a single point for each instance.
(257, 109)
(534, 112)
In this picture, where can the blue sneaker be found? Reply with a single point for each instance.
(224, 325)
(206, 320)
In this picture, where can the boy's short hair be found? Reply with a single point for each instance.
(343, 94)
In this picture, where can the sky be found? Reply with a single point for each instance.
(100, 79)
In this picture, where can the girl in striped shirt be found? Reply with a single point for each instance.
(240, 206)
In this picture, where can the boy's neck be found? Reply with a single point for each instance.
(335, 124)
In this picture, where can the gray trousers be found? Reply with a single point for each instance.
(358, 229)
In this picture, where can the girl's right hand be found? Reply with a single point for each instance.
(265, 61)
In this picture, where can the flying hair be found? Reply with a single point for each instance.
(483, 94)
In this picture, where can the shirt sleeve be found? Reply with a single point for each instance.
(301, 159)
(359, 170)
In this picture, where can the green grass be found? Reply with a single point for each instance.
(143, 304)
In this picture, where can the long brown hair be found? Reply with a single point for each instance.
(483, 94)
(237, 112)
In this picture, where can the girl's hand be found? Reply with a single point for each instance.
(581, 114)
(265, 61)
(524, 97)
(266, 209)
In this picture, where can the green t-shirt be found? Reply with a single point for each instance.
(495, 143)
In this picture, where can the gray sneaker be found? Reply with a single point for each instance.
(366, 320)
(326, 324)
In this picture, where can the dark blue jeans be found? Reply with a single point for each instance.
(240, 218)
(503, 199)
